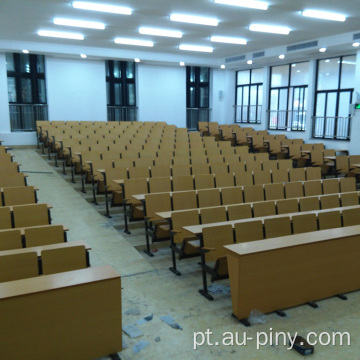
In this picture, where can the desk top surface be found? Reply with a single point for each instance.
(56, 281)
(252, 247)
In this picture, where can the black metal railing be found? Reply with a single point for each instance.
(23, 117)
(289, 120)
(196, 115)
(122, 113)
(331, 127)
(248, 114)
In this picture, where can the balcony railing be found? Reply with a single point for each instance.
(289, 120)
(331, 127)
(122, 113)
(23, 117)
(196, 115)
(248, 114)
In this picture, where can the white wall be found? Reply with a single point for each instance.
(76, 89)
(161, 94)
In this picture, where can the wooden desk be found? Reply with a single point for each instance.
(279, 273)
(74, 315)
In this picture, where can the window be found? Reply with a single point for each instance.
(197, 95)
(120, 90)
(249, 93)
(334, 87)
(288, 96)
(26, 90)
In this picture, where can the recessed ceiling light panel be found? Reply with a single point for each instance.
(207, 49)
(228, 40)
(324, 15)
(261, 5)
(270, 29)
(63, 35)
(194, 19)
(102, 8)
(135, 42)
(79, 23)
(160, 32)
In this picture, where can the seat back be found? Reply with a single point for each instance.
(135, 187)
(180, 170)
(253, 193)
(157, 203)
(213, 215)
(277, 226)
(331, 186)
(262, 177)
(312, 188)
(204, 181)
(183, 183)
(253, 166)
(160, 171)
(160, 184)
(19, 266)
(329, 220)
(349, 199)
(274, 191)
(309, 203)
(244, 179)
(294, 189)
(44, 235)
(330, 201)
(10, 239)
(207, 198)
(264, 208)
(238, 212)
(304, 223)
(184, 200)
(297, 174)
(313, 173)
(218, 168)
(202, 168)
(5, 218)
(249, 231)
(287, 206)
(184, 218)
(19, 195)
(232, 195)
(280, 175)
(224, 179)
(139, 172)
(63, 259)
(285, 164)
(351, 217)
(347, 184)
(31, 215)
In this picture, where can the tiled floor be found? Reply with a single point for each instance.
(150, 288)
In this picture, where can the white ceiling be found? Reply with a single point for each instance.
(20, 21)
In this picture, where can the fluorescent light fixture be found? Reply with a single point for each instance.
(62, 35)
(160, 32)
(249, 62)
(102, 7)
(270, 29)
(182, 63)
(194, 19)
(25, 51)
(228, 40)
(282, 56)
(79, 23)
(328, 60)
(322, 49)
(196, 48)
(356, 44)
(222, 66)
(84, 56)
(261, 5)
(137, 60)
(293, 65)
(125, 41)
(323, 15)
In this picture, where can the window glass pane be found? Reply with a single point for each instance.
(117, 70)
(331, 104)
(344, 102)
(239, 96)
(280, 76)
(130, 70)
(192, 74)
(260, 95)
(320, 104)
(192, 97)
(283, 99)
(25, 63)
(348, 72)
(26, 90)
(300, 74)
(328, 74)
(117, 94)
(40, 64)
(10, 65)
(12, 89)
(204, 97)
(274, 97)
(246, 95)
(257, 76)
(243, 77)
(253, 95)
(42, 91)
(108, 93)
(204, 75)
(131, 94)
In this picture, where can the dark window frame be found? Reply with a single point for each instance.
(197, 85)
